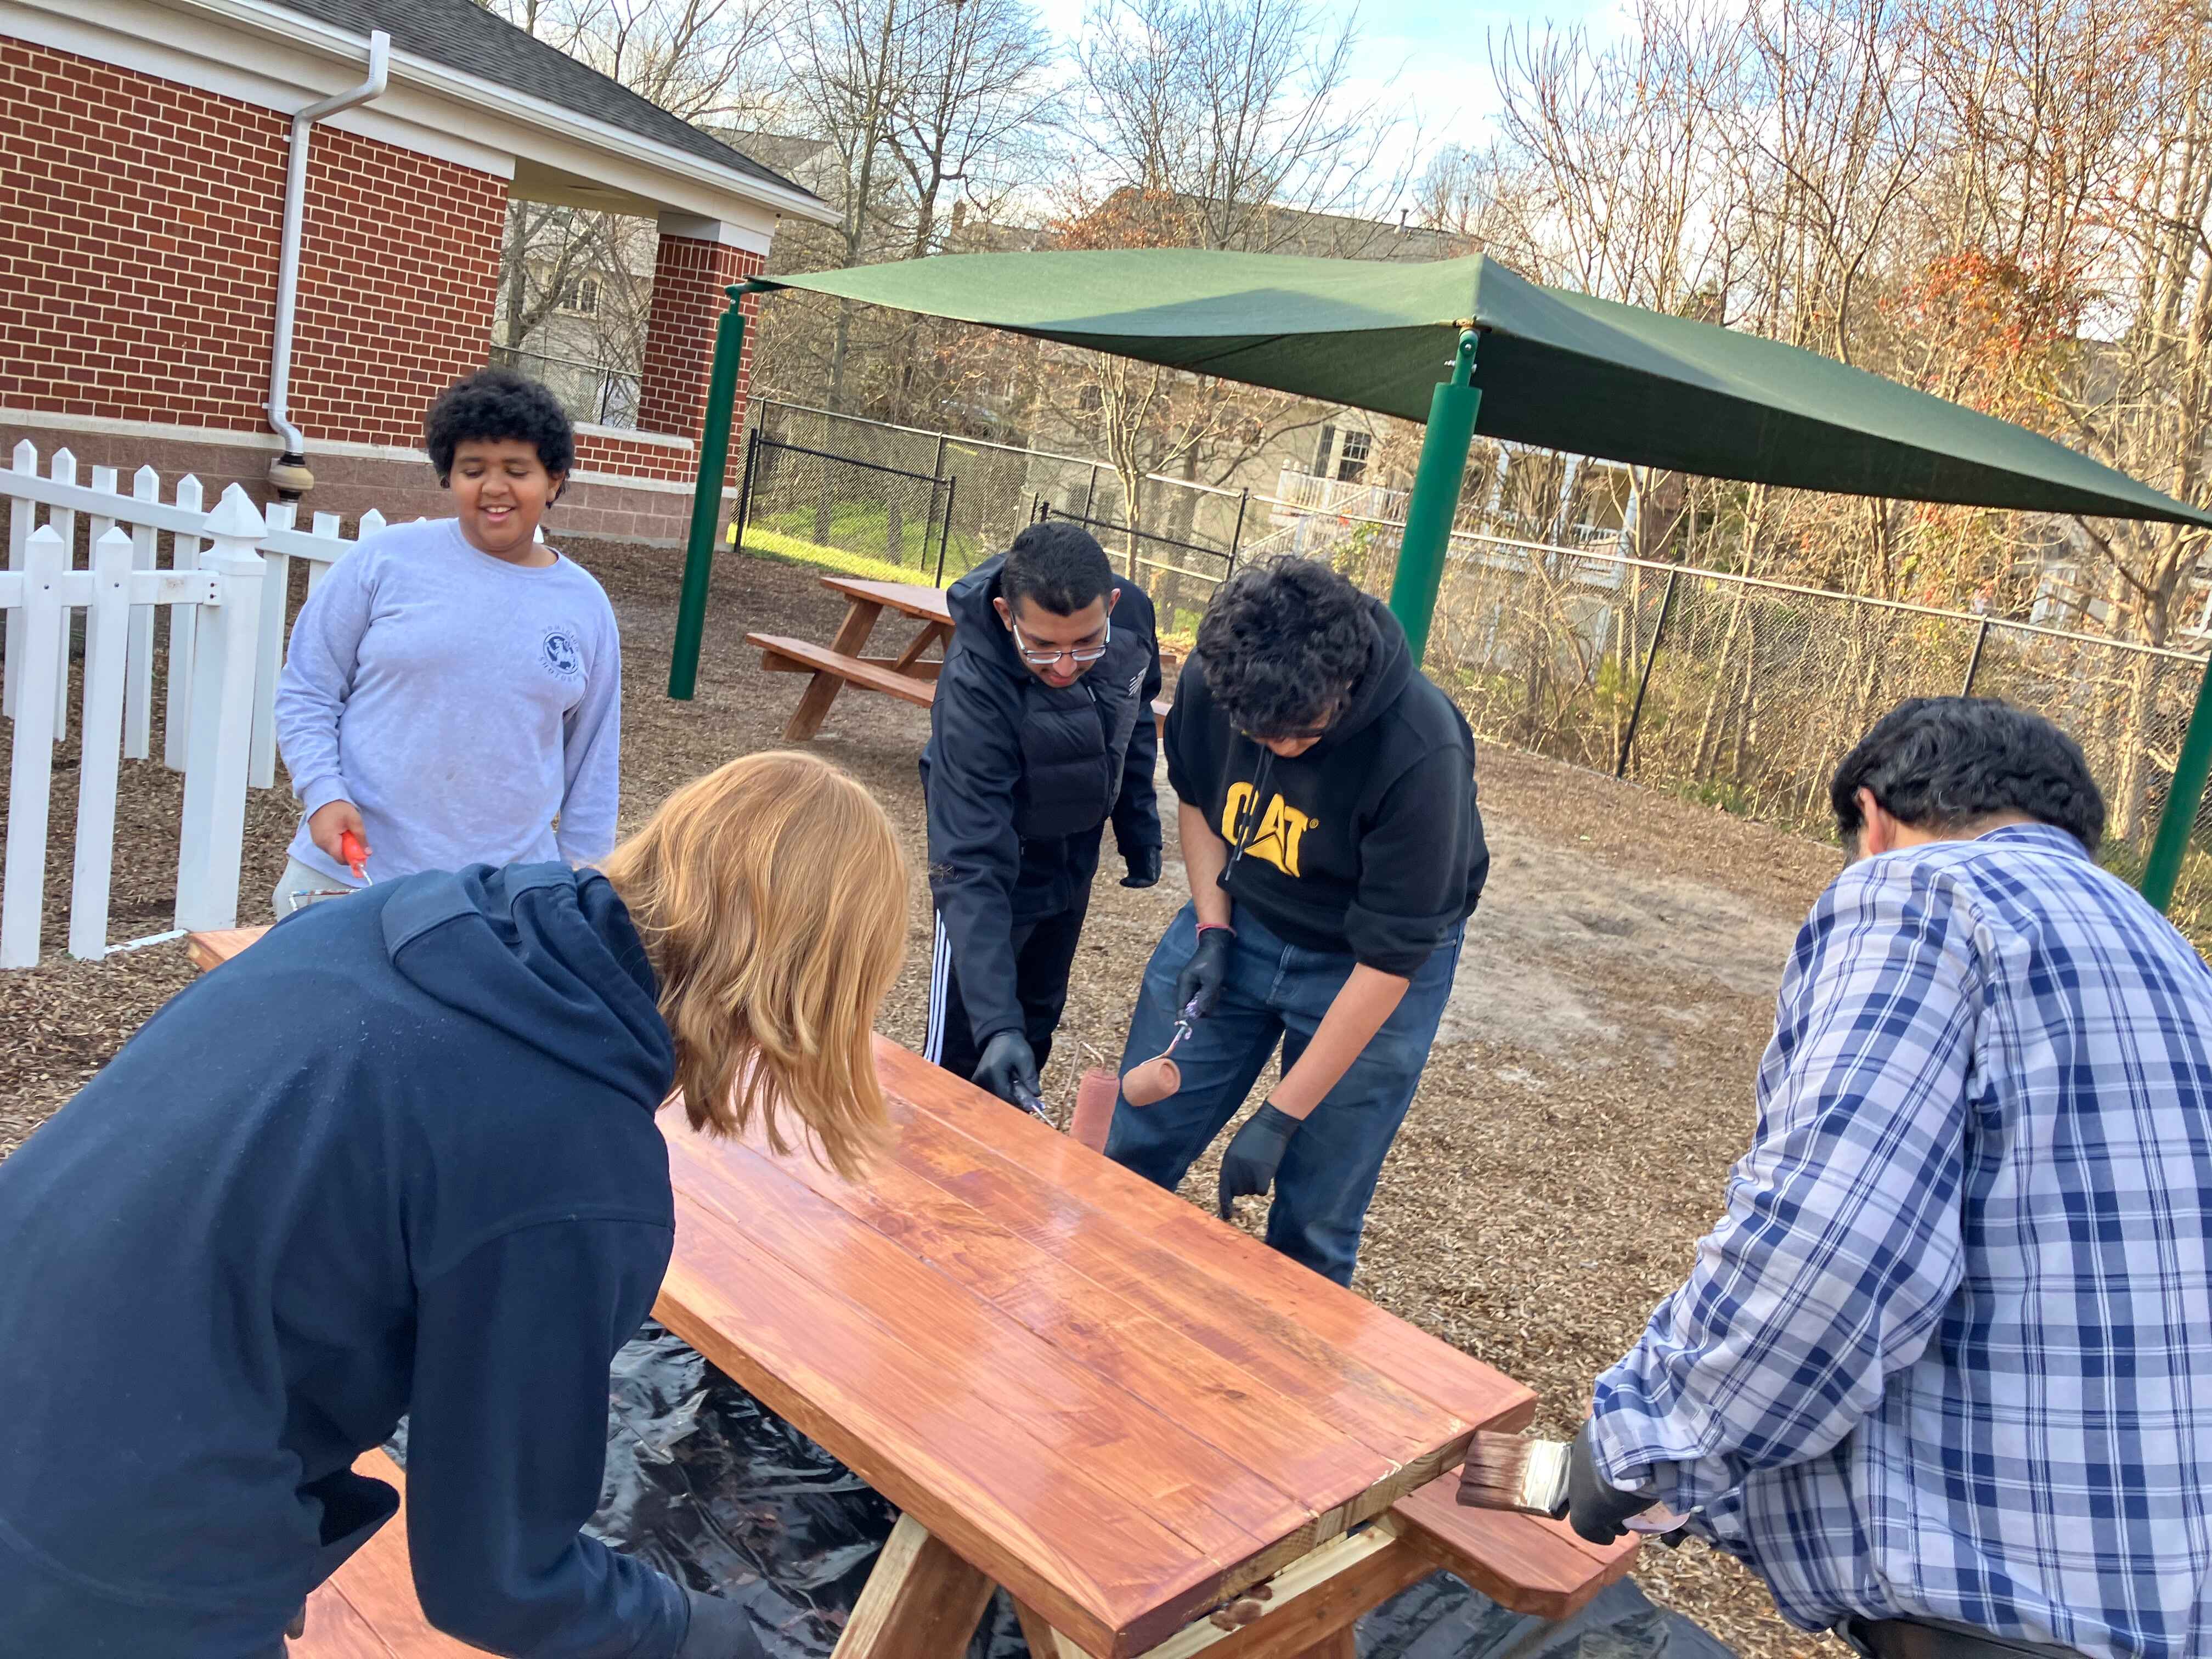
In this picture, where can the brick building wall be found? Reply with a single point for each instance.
(399, 275)
(140, 224)
(138, 232)
(690, 278)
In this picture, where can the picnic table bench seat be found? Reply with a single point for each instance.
(1521, 1562)
(781, 654)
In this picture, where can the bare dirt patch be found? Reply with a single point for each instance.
(1591, 1086)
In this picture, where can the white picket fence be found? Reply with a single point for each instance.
(224, 587)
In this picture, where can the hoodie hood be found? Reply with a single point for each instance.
(1389, 670)
(545, 954)
(977, 631)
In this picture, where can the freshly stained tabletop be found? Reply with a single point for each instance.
(1116, 1405)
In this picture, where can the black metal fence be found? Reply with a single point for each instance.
(865, 517)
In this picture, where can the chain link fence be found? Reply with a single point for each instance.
(1744, 694)
(992, 489)
(1734, 692)
(861, 516)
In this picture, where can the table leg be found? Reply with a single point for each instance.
(929, 635)
(1044, 1642)
(922, 1601)
(822, 690)
(1306, 1611)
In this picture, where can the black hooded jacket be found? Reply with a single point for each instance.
(1368, 843)
(1020, 778)
(398, 1156)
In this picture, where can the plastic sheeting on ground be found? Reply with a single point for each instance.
(711, 1487)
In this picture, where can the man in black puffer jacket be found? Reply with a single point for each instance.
(1041, 730)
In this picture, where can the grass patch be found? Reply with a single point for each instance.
(762, 543)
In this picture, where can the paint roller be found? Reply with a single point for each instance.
(1153, 1080)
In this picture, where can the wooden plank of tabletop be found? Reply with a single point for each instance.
(1185, 1291)
(1114, 1578)
(1278, 1432)
(957, 1342)
(218, 945)
(335, 1630)
(1432, 1370)
(916, 599)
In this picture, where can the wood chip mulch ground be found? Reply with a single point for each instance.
(1588, 1091)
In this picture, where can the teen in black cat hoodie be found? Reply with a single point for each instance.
(1335, 852)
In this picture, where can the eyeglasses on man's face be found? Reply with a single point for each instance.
(1081, 655)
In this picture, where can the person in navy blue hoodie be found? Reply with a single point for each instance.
(401, 1157)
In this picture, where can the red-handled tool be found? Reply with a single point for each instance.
(356, 855)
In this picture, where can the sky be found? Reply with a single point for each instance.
(1430, 56)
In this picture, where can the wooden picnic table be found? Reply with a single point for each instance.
(840, 663)
(907, 676)
(1143, 1423)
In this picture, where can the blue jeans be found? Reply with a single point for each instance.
(1278, 992)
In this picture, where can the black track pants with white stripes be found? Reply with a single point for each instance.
(1045, 952)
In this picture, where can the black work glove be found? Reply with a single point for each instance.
(1009, 1070)
(720, 1630)
(1597, 1511)
(1144, 867)
(1247, 1168)
(1204, 975)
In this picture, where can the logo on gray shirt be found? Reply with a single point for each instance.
(560, 654)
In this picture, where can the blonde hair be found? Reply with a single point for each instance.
(771, 895)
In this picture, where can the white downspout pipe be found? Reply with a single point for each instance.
(289, 472)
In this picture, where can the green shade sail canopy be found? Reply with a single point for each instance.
(1556, 370)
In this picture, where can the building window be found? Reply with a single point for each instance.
(580, 298)
(1089, 397)
(1324, 451)
(1352, 460)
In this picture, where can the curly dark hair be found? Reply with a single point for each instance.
(1284, 639)
(1943, 764)
(495, 403)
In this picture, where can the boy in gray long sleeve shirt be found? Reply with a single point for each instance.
(453, 686)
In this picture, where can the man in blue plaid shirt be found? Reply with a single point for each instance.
(1942, 1374)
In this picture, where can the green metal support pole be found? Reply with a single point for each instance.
(2189, 771)
(707, 492)
(1435, 500)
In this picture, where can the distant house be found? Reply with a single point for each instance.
(144, 154)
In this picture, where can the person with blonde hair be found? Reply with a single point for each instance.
(401, 1157)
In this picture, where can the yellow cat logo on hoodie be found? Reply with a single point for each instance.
(1281, 828)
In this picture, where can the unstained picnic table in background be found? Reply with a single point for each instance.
(1156, 1434)
(911, 675)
